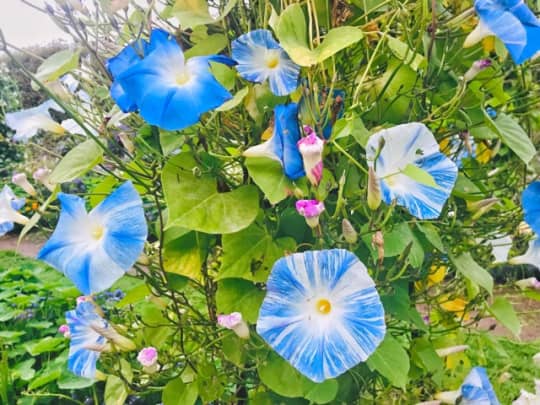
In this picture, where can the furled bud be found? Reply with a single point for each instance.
(310, 209)
(64, 330)
(148, 358)
(476, 68)
(42, 175)
(448, 397)
(234, 322)
(377, 241)
(373, 190)
(311, 149)
(349, 233)
(119, 341)
(536, 359)
(446, 351)
(527, 283)
(20, 180)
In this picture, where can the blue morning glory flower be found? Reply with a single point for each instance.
(9, 207)
(405, 149)
(95, 249)
(261, 58)
(282, 145)
(512, 22)
(83, 323)
(321, 312)
(477, 389)
(169, 91)
(530, 200)
(118, 64)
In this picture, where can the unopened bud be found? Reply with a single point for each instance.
(42, 175)
(20, 180)
(476, 68)
(373, 190)
(349, 233)
(377, 241)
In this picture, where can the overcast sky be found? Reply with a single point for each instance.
(22, 25)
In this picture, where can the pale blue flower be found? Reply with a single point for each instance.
(9, 207)
(321, 312)
(86, 342)
(397, 149)
(95, 249)
(282, 146)
(261, 58)
(168, 91)
(27, 123)
(530, 200)
(477, 389)
(512, 22)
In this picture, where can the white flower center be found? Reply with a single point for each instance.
(182, 77)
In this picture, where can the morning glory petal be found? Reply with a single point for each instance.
(9, 207)
(261, 58)
(411, 144)
(321, 312)
(530, 200)
(514, 24)
(169, 92)
(96, 249)
(81, 360)
(282, 146)
(27, 123)
(477, 389)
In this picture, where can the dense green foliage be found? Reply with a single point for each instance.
(218, 220)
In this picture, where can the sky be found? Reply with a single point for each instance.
(24, 26)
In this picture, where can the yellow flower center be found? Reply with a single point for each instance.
(272, 60)
(97, 232)
(182, 78)
(323, 306)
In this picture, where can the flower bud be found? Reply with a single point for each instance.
(476, 68)
(349, 233)
(42, 175)
(536, 359)
(530, 282)
(20, 180)
(234, 322)
(311, 210)
(64, 330)
(148, 358)
(448, 397)
(373, 190)
(311, 148)
(377, 241)
(446, 351)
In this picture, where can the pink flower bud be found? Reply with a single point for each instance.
(234, 322)
(64, 330)
(148, 356)
(311, 149)
(82, 298)
(476, 68)
(310, 209)
(20, 180)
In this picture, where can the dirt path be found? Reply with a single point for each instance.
(30, 246)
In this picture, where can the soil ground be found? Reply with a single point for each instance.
(527, 309)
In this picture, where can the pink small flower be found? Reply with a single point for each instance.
(311, 149)
(20, 180)
(310, 209)
(235, 322)
(64, 330)
(148, 356)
